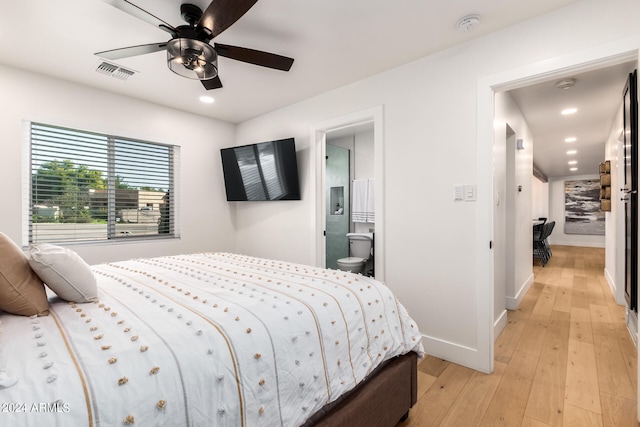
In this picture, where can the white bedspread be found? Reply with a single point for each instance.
(211, 339)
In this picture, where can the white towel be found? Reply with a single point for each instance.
(371, 201)
(360, 200)
(364, 201)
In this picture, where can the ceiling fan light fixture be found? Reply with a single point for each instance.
(192, 59)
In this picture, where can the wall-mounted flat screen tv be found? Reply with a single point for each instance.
(262, 171)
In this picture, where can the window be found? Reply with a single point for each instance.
(88, 186)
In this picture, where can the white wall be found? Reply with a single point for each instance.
(539, 199)
(430, 136)
(364, 155)
(614, 267)
(518, 198)
(556, 213)
(500, 219)
(206, 219)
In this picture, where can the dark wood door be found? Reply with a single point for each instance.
(630, 191)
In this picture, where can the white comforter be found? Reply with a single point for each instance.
(211, 339)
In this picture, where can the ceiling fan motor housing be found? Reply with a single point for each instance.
(197, 33)
(190, 13)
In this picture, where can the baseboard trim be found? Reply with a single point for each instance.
(512, 303)
(452, 352)
(600, 244)
(614, 289)
(499, 324)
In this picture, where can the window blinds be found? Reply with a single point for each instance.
(87, 186)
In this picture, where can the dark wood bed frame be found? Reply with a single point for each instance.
(382, 400)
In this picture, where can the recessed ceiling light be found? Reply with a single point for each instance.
(568, 111)
(573, 169)
(572, 162)
(570, 139)
(572, 151)
(206, 99)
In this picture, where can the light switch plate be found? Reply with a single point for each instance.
(458, 192)
(470, 192)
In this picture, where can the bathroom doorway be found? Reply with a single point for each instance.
(349, 156)
(320, 133)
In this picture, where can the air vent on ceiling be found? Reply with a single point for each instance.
(114, 70)
(566, 83)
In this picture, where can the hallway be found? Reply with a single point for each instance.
(564, 359)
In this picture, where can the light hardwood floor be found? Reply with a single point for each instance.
(564, 359)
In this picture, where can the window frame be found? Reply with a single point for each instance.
(172, 167)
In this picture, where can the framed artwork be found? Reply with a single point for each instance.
(582, 214)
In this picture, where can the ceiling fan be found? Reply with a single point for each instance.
(189, 53)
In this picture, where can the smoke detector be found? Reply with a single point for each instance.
(468, 23)
(566, 83)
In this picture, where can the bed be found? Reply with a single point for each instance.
(208, 339)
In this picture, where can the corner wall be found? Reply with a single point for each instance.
(206, 220)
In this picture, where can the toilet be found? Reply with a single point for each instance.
(360, 249)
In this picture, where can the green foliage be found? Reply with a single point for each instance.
(121, 185)
(63, 184)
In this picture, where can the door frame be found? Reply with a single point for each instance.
(598, 57)
(317, 161)
(630, 156)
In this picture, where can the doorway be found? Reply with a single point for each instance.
(486, 88)
(372, 118)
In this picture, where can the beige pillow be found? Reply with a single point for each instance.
(21, 291)
(64, 272)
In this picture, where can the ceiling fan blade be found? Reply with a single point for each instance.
(214, 83)
(126, 52)
(130, 8)
(256, 57)
(221, 14)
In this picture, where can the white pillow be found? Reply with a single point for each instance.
(64, 272)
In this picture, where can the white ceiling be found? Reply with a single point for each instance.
(333, 42)
(597, 95)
